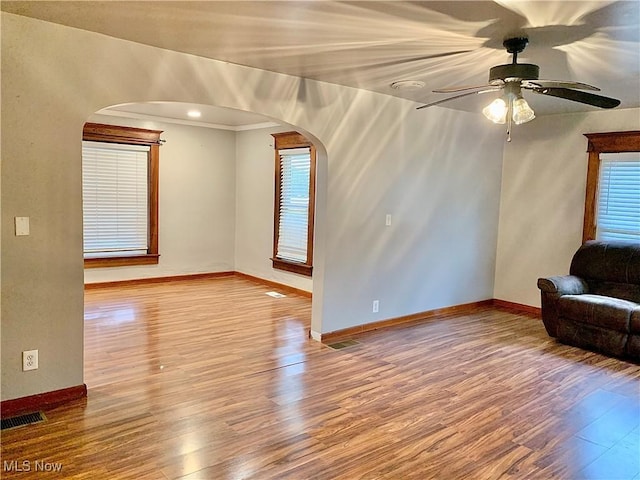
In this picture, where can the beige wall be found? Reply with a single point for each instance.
(197, 198)
(437, 172)
(542, 204)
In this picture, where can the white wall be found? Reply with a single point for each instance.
(543, 192)
(437, 172)
(255, 185)
(196, 202)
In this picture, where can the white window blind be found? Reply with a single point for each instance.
(115, 198)
(295, 170)
(619, 197)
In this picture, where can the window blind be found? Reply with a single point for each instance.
(115, 198)
(619, 197)
(295, 170)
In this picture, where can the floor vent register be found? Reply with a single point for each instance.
(21, 420)
(344, 344)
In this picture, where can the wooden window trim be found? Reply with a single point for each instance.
(284, 141)
(97, 132)
(610, 142)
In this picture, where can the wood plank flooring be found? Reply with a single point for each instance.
(213, 379)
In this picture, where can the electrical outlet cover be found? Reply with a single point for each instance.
(22, 226)
(29, 360)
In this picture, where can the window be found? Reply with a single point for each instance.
(619, 197)
(120, 195)
(612, 203)
(295, 165)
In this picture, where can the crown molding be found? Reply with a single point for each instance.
(191, 123)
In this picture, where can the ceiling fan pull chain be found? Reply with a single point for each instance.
(509, 119)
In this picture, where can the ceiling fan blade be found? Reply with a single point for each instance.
(461, 89)
(581, 97)
(459, 96)
(558, 84)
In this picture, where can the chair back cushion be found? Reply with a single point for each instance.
(609, 266)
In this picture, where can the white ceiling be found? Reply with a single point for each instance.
(370, 44)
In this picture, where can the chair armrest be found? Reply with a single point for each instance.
(563, 285)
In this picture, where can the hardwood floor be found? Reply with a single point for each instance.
(213, 379)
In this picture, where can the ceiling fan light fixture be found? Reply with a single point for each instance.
(496, 111)
(522, 112)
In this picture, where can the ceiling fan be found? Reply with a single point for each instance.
(512, 78)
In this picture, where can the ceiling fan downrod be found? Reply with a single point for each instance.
(515, 46)
(514, 70)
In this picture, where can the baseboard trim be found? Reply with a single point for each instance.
(414, 318)
(317, 336)
(40, 401)
(273, 284)
(173, 278)
(517, 307)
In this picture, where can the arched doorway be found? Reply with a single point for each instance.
(218, 167)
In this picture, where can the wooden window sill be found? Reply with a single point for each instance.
(294, 267)
(122, 261)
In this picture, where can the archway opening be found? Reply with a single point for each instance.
(215, 219)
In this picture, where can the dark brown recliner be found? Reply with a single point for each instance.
(597, 306)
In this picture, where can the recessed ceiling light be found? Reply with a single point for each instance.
(407, 85)
(194, 113)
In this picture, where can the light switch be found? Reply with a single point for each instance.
(387, 221)
(22, 226)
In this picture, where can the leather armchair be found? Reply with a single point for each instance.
(597, 306)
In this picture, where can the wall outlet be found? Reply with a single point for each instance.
(376, 306)
(29, 360)
(22, 226)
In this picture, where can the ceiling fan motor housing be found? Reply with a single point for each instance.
(513, 71)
